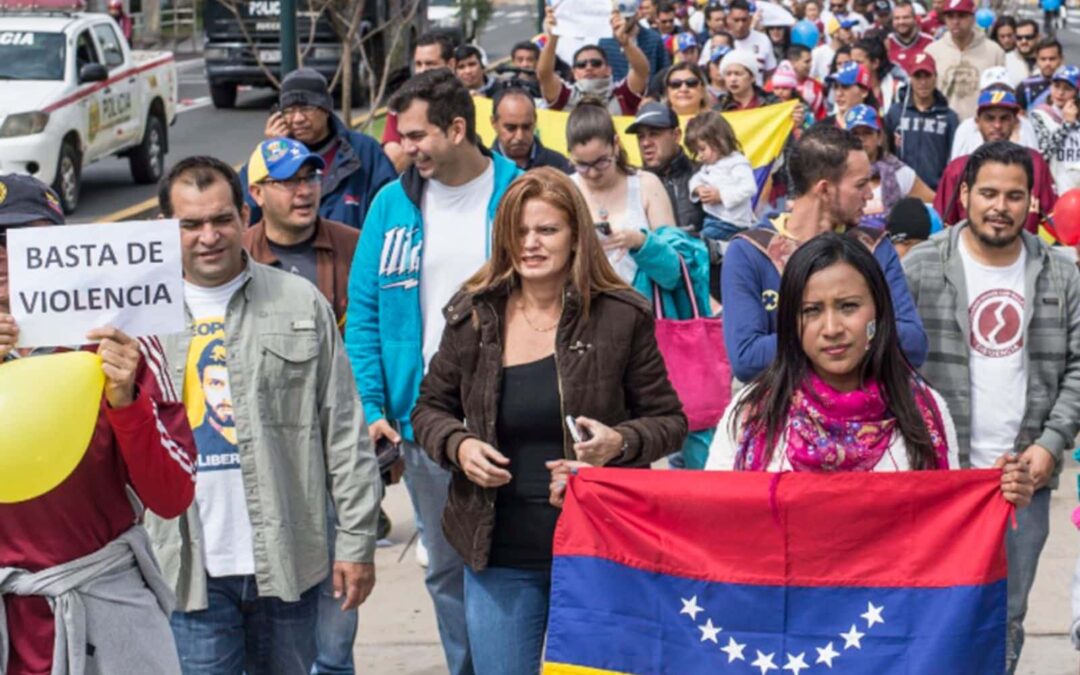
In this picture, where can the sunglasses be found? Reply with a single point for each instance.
(690, 83)
(1025, 37)
(587, 63)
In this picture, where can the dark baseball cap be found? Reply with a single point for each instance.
(655, 115)
(25, 200)
(882, 7)
(909, 220)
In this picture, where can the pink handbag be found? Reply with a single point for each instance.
(696, 359)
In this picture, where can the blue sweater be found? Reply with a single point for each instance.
(751, 286)
(384, 324)
(923, 139)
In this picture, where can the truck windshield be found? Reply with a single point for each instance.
(26, 55)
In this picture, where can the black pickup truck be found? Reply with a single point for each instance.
(232, 58)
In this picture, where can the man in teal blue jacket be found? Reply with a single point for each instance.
(425, 234)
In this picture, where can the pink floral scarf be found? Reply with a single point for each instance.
(828, 430)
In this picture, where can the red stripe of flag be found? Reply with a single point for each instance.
(927, 529)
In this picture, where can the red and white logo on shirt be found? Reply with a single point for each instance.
(997, 319)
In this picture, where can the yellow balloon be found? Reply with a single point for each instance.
(49, 408)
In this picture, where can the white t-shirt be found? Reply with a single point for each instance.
(455, 246)
(821, 58)
(998, 376)
(968, 139)
(759, 43)
(219, 485)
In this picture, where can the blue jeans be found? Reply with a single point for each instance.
(507, 613)
(428, 485)
(335, 630)
(240, 632)
(1023, 546)
(719, 230)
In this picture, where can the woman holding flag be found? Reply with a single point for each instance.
(840, 395)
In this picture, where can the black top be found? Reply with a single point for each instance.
(530, 433)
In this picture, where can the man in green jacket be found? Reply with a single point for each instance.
(278, 428)
(1002, 312)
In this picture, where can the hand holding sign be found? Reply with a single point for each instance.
(9, 335)
(119, 361)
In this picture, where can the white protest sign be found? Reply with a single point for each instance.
(586, 20)
(68, 280)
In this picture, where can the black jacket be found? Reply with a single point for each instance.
(541, 156)
(675, 175)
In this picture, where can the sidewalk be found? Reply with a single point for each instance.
(398, 635)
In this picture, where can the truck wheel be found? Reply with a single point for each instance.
(147, 160)
(223, 94)
(68, 180)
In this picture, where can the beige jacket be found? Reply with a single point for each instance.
(959, 70)
(300, 431)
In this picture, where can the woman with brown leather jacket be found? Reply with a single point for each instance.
(546, 330)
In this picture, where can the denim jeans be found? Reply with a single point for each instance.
(719, 230)
(428, 485)
(335, 630)
(240, 632)
(1023, 547)
(507, 612)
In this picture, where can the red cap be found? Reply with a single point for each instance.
(962, 6)
(921, 63)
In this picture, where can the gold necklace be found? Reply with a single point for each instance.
(521, 306)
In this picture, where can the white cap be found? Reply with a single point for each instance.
(740, 57)
(995, 75)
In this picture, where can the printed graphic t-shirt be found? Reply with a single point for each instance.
(296, 258)
(219, 487)
(998, 376)
(455, 246)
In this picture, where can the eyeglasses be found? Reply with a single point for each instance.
(302, 110)
(1026, 36)
(690, 82)
(599, 165)
(312, 178)
(587, 63)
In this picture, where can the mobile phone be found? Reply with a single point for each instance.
(275, 109)
(577, 433)
(604, 228)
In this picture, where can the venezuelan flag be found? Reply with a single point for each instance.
(762, 132)
(690, 572)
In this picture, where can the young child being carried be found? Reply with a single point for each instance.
(725, 183)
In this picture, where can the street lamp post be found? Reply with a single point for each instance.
(288, 37)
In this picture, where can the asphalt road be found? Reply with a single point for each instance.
(108, 191)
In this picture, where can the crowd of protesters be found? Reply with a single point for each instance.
(479, 320)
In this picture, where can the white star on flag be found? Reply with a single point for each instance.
(764, 662)
(872, 615)
(690, 607)
(796, 663)
(852, 637)
(826, 655)
(709, 631)
(734, 650)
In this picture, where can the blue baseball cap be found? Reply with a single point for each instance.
(862, 116)
(1070, 75)
(719, 52)
(848, 24)
(280, 159)
(997, 97)
(852, 73)
(684, 41)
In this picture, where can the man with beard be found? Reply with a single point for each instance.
(830, 179)
(1006, 350)
(1021, 61)
(996, 120)
(961, 54)
(513, 117)
(906, 41)
(1034, 90)
(659, 141)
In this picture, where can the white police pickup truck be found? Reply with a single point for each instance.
(72, 92)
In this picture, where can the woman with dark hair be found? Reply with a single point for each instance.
(840, 395)
(780, 37)
(685, 89)
(885, 78)
(1003, 32)
(626, 204)
(545, 331)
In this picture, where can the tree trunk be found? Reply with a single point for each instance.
(347, 76)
